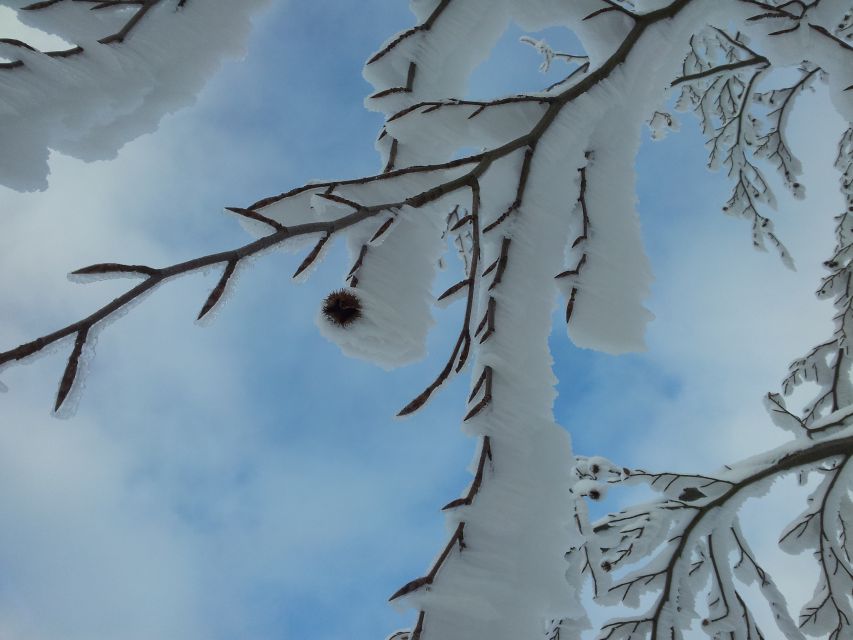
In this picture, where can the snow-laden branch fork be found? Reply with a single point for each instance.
(120, 67)
(703, 533)
(142, 7)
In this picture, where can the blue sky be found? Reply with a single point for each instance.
(245, 479)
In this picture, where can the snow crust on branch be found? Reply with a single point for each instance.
(674, 548)
(89, 103)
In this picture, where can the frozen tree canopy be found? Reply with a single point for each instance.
(536, 194)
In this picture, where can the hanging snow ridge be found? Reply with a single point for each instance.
(393, 273)
(396, 302)
(613, 275)
(89, 103)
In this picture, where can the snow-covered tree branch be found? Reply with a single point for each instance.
(536, 194)
(120, 68)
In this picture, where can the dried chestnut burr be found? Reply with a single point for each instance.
(342, 308)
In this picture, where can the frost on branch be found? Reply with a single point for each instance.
(127, 65)
(828, 364)
(689, 552)
(720, 81)
(549, 55)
